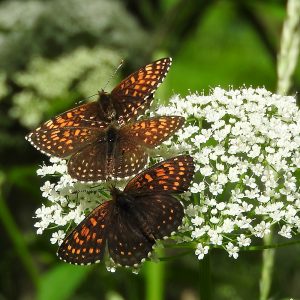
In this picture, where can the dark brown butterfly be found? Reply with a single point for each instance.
(130, 223)
(97, 135)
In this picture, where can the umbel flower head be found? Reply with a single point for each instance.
(245, 145)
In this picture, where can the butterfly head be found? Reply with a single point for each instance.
(106, 105)
(122, 200)
(114, 191)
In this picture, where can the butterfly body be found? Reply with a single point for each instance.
(129, 224)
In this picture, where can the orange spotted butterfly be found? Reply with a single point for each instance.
(130, 223)
(97, 136)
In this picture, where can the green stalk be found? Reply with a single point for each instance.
(205, 278)
(289, 47)
(17, 238)
(287, 62)
(267, 268)
(154, 280)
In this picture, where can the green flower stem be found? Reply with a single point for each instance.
(287, 61)
(205, 278)
(154, 280)
(193, 245)
(272, 246)
(167, 258)
(289, 47)
(17, 238)
(267, 268)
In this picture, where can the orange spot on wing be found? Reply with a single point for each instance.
(77, 131)
(93, 221)
(148, 177)
(85, 231)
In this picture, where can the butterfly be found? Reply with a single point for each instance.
(129, 224)
(99, 137)
(130, 98)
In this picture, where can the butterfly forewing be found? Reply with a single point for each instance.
(70, 131)
(170, 176)
(152, 132)
(135, 93)
(86, 243)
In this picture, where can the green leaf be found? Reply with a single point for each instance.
(61, 282)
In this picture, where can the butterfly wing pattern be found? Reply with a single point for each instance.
(70, 131)
(134, 94)
(120, 153)
(134, 219)
(152, 132)
(86, 243)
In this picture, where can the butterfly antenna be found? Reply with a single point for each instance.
(113, 74)
(82, 100)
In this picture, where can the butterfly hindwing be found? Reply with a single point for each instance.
(111, 156)
(127, 245)
(86, 242)
(134, 94)
(170, 176)
(90, 163)
(129, 158)
(68, 132)
(161, 212)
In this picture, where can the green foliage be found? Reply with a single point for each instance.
(49, 85)
(222, 52)
(3, 86)
(61, 282)
(49, 28)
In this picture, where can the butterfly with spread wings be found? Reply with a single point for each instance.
(103, 138)
(129, 224)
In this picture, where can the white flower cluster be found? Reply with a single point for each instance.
(246, 146)
(69, 200)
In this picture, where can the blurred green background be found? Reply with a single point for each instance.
(55, 53)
